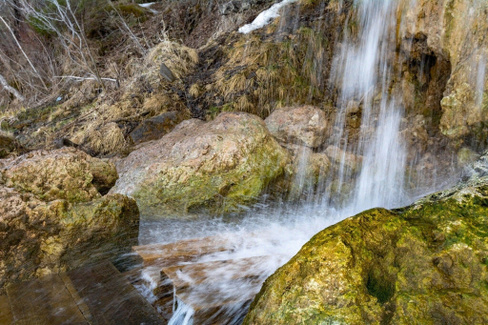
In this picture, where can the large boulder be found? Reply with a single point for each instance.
(66, 173)
(53, 217)
(216, 166)
(304, 125)
(425, 264)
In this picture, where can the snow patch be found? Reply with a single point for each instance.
(146, 5)
(265, 17)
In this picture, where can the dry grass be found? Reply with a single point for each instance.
(260, 76)
(181, 60)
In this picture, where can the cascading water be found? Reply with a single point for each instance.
(362, 73)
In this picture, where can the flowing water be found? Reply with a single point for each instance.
(362, 73)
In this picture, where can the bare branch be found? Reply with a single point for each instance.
(86, 78)
(11, 89)
(23, 52)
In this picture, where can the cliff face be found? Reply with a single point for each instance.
(455, 32)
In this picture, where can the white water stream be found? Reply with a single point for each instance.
(362, 73)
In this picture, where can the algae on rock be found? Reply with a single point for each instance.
(53, 216)
(422, 264)
(216, 166)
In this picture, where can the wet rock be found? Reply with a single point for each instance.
(155, 127)
(305, 125)
(65, 173)
(417, 265)
(53, 216)
(337, 156)
(308, 169)
(39, 238)
(216, 166)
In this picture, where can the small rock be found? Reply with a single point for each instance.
(155, 127)
(338, 156)
(304, 125)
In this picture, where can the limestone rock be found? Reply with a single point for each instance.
(38, 238)
(337, 156)
(424, 264)
(65, 173)
(305, 125)
(308, 169)
(155, 127)
(455, 30)
(215, 166)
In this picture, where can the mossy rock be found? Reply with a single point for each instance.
(65, 173)
(217, 166)
(39, 238)
(425, 264)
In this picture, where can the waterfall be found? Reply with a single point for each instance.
(370, 165)
(362, 73)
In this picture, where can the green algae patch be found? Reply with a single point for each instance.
(425, 264)
(65, 173)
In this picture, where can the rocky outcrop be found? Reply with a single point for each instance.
(422, 264)
(215, 166)
(303, 125)
(66, 173)
(53, 217)
(454, 31)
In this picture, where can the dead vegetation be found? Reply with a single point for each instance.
(146, 71)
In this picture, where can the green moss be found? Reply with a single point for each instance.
(220, 192)
(383, 267)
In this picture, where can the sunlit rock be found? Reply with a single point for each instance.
(39, 238)
(53, 216)
(65, 173)
(215, 166)
(305, 125)
(454, 30)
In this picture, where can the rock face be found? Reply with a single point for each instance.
(214, 166)
(305, 125)
(53, 217)
(61, 174)
(425, 264)
(454, 30)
